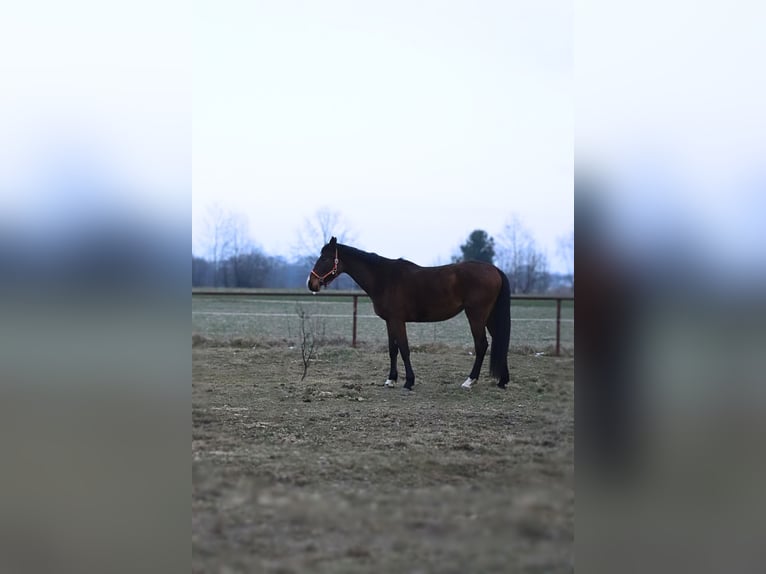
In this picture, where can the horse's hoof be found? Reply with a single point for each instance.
(468, 383)
(502, 385)
(389, 383)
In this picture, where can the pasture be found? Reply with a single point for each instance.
(272, 318)
(339, 474)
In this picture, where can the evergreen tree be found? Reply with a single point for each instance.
(479, 247)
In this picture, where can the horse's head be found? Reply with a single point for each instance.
(326, 268)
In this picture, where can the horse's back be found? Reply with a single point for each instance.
(439, 293)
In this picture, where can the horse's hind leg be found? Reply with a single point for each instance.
(504, 376)
(480, 345)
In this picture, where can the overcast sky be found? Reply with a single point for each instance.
(417, 121)
(95, 114)
(676, 128)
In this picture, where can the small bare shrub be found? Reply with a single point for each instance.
(309, 336)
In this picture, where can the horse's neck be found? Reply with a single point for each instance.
(361, 270)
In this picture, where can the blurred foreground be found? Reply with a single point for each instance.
(671, 402)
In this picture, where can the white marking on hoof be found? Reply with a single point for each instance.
(389, 383)
(468, 383)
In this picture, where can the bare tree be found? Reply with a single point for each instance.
(227, 236)
(251, 268)
(317, 230)
(565, 250)
(202, 272)
(521, 259)
(214, 237)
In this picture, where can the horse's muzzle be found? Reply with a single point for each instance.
(313, 283)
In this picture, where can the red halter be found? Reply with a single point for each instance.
(332, 271)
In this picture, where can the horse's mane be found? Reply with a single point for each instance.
(407, 262)
(371, 258)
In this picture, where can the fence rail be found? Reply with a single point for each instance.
(355, 295)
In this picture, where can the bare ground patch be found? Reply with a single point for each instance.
(339, 474)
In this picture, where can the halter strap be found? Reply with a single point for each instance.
(332, 271)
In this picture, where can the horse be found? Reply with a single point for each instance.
(403, 292)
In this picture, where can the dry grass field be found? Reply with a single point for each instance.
(339, 474)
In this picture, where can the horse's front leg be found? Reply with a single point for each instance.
(398, 330)
(393, 352)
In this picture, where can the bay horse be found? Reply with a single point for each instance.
(403, 292)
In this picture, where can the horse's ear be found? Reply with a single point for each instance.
(333, 241)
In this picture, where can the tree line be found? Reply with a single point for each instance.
(233, 261)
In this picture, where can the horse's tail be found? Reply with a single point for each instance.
(500, 319)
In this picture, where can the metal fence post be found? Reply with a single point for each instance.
(353, 334)
(558, 326)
